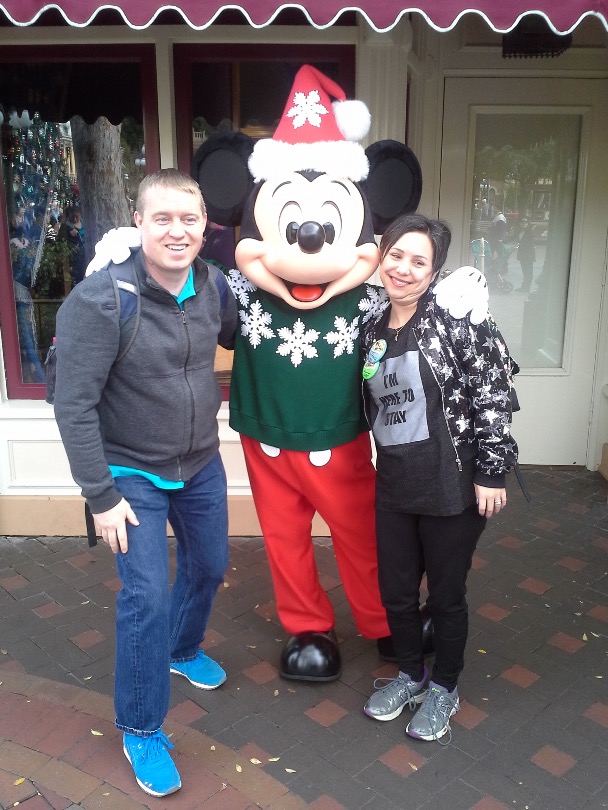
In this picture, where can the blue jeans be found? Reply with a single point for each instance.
(156, 624)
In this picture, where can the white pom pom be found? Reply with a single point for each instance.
(353, 119)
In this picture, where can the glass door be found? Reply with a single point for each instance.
(520, 187)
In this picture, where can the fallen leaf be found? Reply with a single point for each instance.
(412, 766)
(239, 769)
(87, 678)
(86, 603)
(96, 733)
(19, 781)
(274, 759)
(289, 770)
(213, 747)
(226, 584)
(276, 692)
(585, 637)
(255, 761)
(3, 651)
(251, 646)
(595, 635)
(483, 652)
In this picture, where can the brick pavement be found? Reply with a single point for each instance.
(532, 732)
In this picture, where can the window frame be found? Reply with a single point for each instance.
(145, 56)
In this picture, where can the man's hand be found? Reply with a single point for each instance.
(464, 290)
(112, 525)
(115, 246)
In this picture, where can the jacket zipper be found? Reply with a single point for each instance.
(187, 381)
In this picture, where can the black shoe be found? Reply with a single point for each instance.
(311, 656)
(386, 648)
(428, 641)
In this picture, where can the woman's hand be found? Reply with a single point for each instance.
(490, 500)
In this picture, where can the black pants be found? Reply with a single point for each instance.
(409, 545)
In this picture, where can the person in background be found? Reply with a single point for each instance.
(526, 253)
(437, 394)
(73, 232)
(141, 437)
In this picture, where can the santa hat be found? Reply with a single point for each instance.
(315, 133)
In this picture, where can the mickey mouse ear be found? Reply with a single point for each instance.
(219, 166)
(394, 183)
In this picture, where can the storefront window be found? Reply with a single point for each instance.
(70, 171)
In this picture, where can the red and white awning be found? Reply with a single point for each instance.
(382, 15)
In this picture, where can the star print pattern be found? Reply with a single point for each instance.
(307, 109)
(472, 366)
(344, 337)
(297, 342)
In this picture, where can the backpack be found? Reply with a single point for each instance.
(126, 292)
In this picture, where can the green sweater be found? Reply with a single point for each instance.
(296, 380)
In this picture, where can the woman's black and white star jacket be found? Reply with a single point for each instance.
(474, 371)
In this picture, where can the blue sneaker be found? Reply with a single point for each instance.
(154, 769)
(202, 671)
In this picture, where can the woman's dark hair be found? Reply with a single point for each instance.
(436, 230)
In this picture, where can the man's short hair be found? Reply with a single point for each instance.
(168, 179)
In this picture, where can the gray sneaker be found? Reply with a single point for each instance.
(432, 720)
(390, 700)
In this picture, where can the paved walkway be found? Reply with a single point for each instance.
(532, 733)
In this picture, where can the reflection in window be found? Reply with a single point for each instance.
(522, 217)
(45, 176)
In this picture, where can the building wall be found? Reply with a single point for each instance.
(37, 494)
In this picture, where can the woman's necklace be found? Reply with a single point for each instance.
(398, 330)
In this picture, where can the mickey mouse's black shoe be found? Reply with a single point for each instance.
(311, 656)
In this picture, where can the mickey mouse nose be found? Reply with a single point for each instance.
(311, 237)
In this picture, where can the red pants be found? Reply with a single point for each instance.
(287, 491)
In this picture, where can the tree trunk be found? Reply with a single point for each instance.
(99, 170)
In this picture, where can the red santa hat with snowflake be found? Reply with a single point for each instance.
(315, 133)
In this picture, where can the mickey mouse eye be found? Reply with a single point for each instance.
(291, 232)
(330, 232)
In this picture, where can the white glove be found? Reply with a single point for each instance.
(464, 290)
(115, 246)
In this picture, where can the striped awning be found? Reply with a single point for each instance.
(562, 16)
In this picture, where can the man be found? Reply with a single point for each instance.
(142, 441)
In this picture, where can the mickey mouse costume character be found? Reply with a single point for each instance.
(309, 201)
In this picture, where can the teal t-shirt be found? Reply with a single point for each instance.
(187, 291)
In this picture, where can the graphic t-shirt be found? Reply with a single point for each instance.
(417, 466)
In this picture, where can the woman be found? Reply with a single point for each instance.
(437, 394)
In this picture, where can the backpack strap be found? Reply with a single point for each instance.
(126, 290)
(220, 282)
